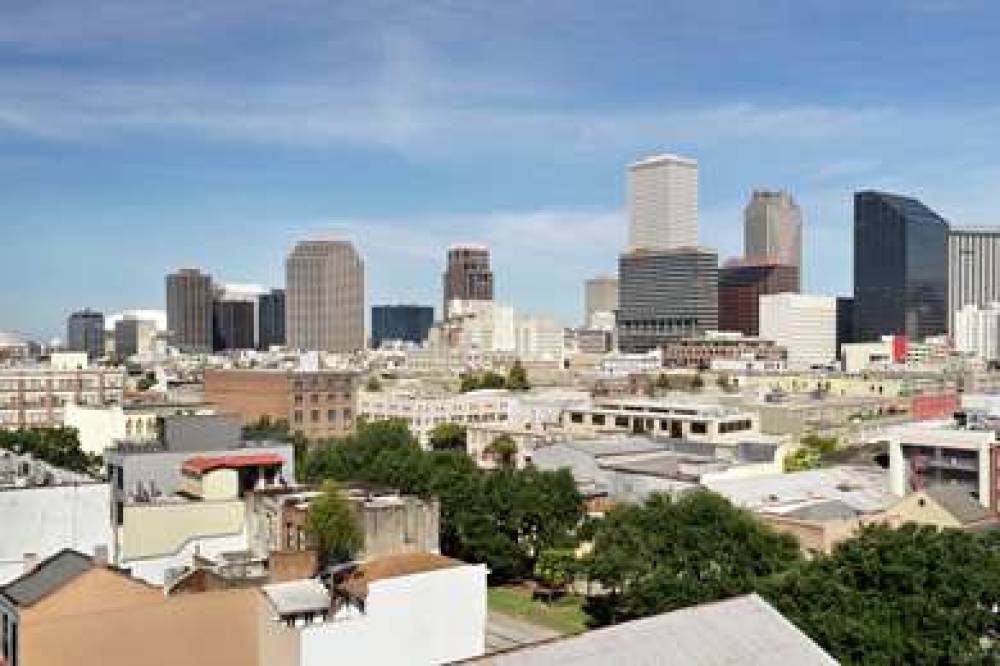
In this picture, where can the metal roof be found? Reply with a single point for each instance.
(50, 575)
(298, 596)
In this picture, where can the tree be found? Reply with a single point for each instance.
(503, 450)
(667, 554)
(557, 567)
(146, 382)
(517, 377)
(448, 437)
(913, 595)
(697, 382)
(333, 524)
(374, 385)
(59, 447)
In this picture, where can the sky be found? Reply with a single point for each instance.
(139, 136)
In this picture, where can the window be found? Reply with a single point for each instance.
(576, 417)
(297, 416)
(699, 428)
(331, 415)
(597, 419)
(298, 399)
(314, 415)
(314, 398)
(621, 421)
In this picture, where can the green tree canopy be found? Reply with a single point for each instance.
(448, 437)
(517, 377)
(913, 595)
(667, 554)
(333, 524)
(503, 450)
(56, 446)
(374, 384)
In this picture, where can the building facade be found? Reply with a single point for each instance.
(663, 203)
(845, 322)
(742, 283)
(189, 310)
(976, 331)
(325, 297)
(37, 397)
(803, 324)
(772, 230)
(900, 268)
(705, 351)
(407, 323)
(134, 336)
(665, 295)
(85, 332)
(319, 404)
(467, 276)
(234, 324)
(271, 314)
(973, 270)
(422, 413)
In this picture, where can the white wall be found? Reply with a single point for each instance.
(45, 520)
(427, 618)
(805, 325)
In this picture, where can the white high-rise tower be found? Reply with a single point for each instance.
(663, 203)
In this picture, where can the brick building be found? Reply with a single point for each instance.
(36, 397)
(742, 283)
(700, 352)
(319, 404)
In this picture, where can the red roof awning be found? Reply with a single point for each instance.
(205, 464)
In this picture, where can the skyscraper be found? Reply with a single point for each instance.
(408, 323)
(271, 314)
(663, 203)
(189, 310)
(325, 296)
(85, 333)
(742, 283)
(468, 276)
(235, 317)
(900, 267)
(973, 270)
(600, 299)
(664, 295)
(772, 229)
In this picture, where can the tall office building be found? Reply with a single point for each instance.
(406, 323)
(665, 295)
(468, 276)
(600, 299)
(900, 268)
(845, 321)
(85, 333)
(772, 229)
(663, 203)
(803, 324)
(134, 335)
(235, 317)
(271, 315)
(973, 270)
(325, 297)
(189, 310)
(742, 283)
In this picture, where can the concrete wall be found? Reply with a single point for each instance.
(151, 530)
(45, 520)
(220, 484)
(427, 618)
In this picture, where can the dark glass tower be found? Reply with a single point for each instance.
(900, 267)
(85, 332)
(271, 310)
(409, 323)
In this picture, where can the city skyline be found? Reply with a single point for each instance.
(182, 146)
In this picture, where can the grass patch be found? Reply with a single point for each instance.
(564, 615)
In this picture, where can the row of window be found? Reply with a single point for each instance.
(332, 416)
(314, 398)
(675, 427)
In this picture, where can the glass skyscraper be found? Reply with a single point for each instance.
(900, 267)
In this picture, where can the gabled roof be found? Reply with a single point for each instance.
(50, 575)
(743, 630)
(204, 464)
(959, 503)
(822, 511)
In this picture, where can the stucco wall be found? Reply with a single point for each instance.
(428, 618)
(151, 530)
(45, 520)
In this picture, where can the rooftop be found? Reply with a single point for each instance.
(743, 630)
(959, 503)
(50, 575)
(205, 464)
(664, 158)
(394, 566)
(864, 489)
(298, 596)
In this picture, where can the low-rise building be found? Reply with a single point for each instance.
(37, 396)
(707, 350)
(947, 507)
(423, 412)
(317, 403)
(98, 427)
(805, 325)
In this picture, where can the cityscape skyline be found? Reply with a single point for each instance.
(414, 160)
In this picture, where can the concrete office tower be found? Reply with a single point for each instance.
(977, 331)
(741, 284)
(468, 276)
(85, 332)
(805, 325)
(600, 299)
(236, 320)
(900, 268)
(663, 203)
(973, 269)
(406, 323)
(325, 297)
(189, 310)
(665, 295)
(271, 314)
(134, 335)
(772, 229)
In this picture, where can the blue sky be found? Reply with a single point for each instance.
(137, 136)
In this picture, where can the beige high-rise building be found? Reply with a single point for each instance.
(601, 297)
(189, 310)
(772, 229)
(325, 297)
(663, 203)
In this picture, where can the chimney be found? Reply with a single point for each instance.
(30, 562)
(101, 555)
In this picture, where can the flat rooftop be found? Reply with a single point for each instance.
(864, 489)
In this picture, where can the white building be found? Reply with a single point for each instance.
(540, 338)
(484, 325)
(924, 457)
(977, 331)
(99, 427)
(422, 413)
(973, 270)
(622, 365)
(38, 522)
(803, 324)
(858, 356)
(663, 203)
